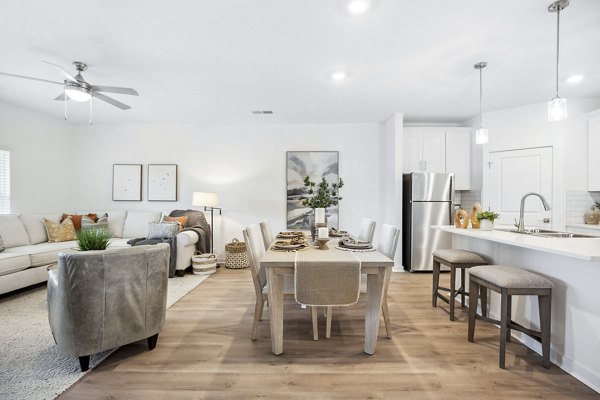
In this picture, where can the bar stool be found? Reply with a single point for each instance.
(454, 259)
(509, 281)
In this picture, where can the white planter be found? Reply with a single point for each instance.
(486, 225)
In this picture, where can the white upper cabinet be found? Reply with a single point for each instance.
(439, 149)
(593, 146)
(458, 156)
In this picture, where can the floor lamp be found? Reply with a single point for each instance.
(210, 202)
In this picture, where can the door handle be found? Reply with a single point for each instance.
(545, 220)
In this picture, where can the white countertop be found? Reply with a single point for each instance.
(582, 248)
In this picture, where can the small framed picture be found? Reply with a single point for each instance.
(162, 182)
(127, 182)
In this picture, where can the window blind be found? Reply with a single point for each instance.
(4, 182)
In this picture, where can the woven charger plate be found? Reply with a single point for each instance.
(356, 250)
(304, 247)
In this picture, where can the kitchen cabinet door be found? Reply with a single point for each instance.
(433, 147)
(411, 152)
(593, 146)
(458, 157)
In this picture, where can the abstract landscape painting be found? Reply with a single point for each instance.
(315, 164)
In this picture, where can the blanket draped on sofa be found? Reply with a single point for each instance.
(196, 222)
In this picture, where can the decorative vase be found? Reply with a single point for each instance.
(313, 224)
(592, 216)
(486, 225)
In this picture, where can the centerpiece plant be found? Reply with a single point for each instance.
(486, 220)
(92, 239)
(322, 195)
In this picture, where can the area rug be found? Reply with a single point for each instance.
(31, 366)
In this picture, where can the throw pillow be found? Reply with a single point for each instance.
(181, 220)
(76, 218)
(163, 230)
(62, 232)
(1, 245)
(88, 222)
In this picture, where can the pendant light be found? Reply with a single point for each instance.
(557, 107)
(481, 134)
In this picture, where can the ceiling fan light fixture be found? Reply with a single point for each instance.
(77, 93)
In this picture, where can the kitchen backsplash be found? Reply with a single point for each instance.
(466, 198)
(578, 202)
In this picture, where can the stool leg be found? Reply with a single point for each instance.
(545, 308)
(436, 283)
(508, 318)
(483, 293)
(473, 297)
(452, 291)
(503, 326)
(462, 285)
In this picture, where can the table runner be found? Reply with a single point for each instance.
(326, 277)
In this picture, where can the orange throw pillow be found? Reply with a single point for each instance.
(76, 218)
(181, 220)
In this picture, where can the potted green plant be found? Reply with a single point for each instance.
(486, 220)
(319, 197)
(92, 239)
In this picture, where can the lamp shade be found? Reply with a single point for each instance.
(481, 136)
(205, 199)
(557, 109)
(78, 93)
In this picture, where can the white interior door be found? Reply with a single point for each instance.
(434, 152)
(514, 173)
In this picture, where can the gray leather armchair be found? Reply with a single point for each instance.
(99, 300)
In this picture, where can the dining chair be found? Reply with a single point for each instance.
(265, 230)
(387, 246)
(256, 250)
(367, 230)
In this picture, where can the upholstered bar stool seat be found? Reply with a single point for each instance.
(509, 281)
(455, 259)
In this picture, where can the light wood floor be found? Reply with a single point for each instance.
(204, 352)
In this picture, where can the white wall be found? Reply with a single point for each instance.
(41, 156)
(527, 126)
(245, 164)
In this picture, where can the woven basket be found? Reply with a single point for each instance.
(235, 255)
(204, 264)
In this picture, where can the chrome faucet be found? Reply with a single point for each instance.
(521, 223)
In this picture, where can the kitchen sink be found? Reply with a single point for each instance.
(547, 233)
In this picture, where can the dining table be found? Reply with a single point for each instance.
(374, 264)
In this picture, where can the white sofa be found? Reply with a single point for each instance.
(27, 252)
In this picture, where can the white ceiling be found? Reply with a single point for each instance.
(216, 61)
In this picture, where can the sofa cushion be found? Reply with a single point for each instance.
(118, 242)
(60, 232)
(116, 222)
(34, 225)
(43, 253)
(98, 223)
(13, 231)
(1, 245)
(76, 218)
(10, 263)
(137, 223)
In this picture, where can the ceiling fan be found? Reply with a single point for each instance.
(77, 89)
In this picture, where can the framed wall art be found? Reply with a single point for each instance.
(162, 182)
(127, 182)
(316, 165)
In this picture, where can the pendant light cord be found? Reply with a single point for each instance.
(557, 45)
(481, 97)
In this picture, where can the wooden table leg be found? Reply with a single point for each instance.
(374, 298)
(276, 310)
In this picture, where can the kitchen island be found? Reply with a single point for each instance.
(573, 265)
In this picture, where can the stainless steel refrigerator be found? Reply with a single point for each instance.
(427, 199)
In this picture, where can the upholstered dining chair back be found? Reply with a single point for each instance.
(99, 300)
(256, 250)
(388, 242)
(265, 229)
(367, 230)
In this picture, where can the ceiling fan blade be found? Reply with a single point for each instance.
(31, 78)
(63, 71)
(112, 101)
(61, 97)
(114, 89)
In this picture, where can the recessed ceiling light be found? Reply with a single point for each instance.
(357, 7)
(338, 76)
(575, 79)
